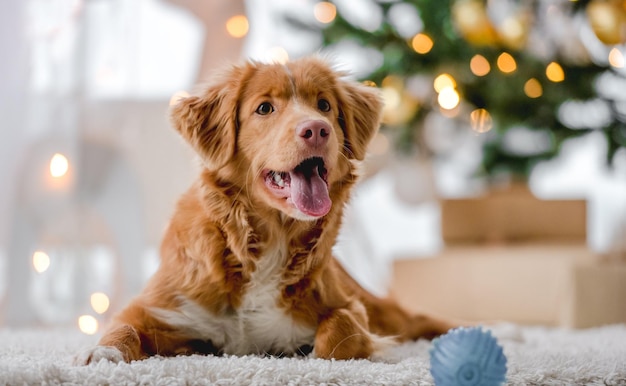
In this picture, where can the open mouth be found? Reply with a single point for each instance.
(306, 186)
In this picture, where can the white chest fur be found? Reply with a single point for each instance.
(257, 326)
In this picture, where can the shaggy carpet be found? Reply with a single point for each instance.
(536, 356)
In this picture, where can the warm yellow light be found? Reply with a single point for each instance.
(448, 98)
(443, 81)
(178, 96)
(391, 98)
(506, 63)
(554, 72)
(616, 58)
(41, 261)
(278, 55)
(532, 88)
(325, 12)
(88, 324)
(59, 165)
(481, 121)
(237, 26)
(369, 83)
(479, 65)
(422, 43)
(99, 302)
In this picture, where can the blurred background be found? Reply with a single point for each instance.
(480, 96)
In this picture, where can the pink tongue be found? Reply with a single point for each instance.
(310, 193)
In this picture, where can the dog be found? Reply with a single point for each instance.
(246, 262)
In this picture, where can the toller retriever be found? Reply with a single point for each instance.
(246, 262)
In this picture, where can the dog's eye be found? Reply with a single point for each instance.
(323, 105)
(265, 108)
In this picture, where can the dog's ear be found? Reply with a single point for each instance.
(209, 122)
(360, 112)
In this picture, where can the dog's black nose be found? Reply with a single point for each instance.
(314, 133)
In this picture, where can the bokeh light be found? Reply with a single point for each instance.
(325, 12)
(99, 302)
(443, 81)
(481, 121)
(616, 58)
(479, 65)
(41, 261)
(237, 26)
(88, 324)
(506, 63)
(532, 88)
(59, 165)
(422, 43)
(448, 98)
(555, 72)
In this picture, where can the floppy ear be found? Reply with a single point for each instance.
(360, 112)
(208, 123)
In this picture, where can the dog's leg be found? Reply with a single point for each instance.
(344, 335)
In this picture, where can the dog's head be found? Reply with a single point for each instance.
(286, 134)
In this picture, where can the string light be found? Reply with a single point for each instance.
(481, 121)
(99, 302)
(532, 88)
(616, 58)
(506, 63)
(443, 81)
(237, 26)
(41, 261)
(59, 165)
(88, 324)
(448, 98)
(479, 65)
(554, 72)
(325, 12)
(422, 43)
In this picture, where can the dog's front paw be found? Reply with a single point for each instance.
(98, 353)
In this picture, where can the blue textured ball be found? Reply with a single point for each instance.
(467, 356)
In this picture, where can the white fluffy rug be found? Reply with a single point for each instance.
(536, 356)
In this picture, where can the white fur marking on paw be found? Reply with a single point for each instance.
(98, 353)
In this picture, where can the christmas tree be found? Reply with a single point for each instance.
(515, 72)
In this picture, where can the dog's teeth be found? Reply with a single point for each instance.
(278, 179)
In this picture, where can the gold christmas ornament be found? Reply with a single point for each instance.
(471, 19)
(608, 20)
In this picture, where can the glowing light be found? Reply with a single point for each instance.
(237, 26)
(99, 302)
(178, 96)
(41, 261)
(506, 63)
(481, 121)
(369, 83)
(59, 165)
(554, 72)
(278, 55)
(325, 12)
(444, 81)
(448, 98)
(88, 324)
(479, 65)
(422, 43)
(532, 88)
(616, 58)
(391, 97)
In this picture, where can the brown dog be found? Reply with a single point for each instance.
(246, 264)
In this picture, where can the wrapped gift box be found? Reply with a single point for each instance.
(548, 284)
(510, 256)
